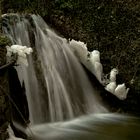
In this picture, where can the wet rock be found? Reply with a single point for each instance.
(4, 91)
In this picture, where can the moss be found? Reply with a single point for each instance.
(4, 40)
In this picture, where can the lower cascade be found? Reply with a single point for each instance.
(63, 104)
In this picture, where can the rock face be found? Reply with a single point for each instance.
(4, 100)
(113, 28)
(12, 96)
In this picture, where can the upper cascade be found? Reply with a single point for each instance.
(57, 88)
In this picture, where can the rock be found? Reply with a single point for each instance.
(5, 114)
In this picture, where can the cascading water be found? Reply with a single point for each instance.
(57, 87)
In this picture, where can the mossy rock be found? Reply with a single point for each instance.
(4, 40)
(4, 135)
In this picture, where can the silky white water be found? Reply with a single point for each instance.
(91, 127)
(57, 87)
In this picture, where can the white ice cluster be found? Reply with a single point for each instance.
(118, 90)
(91, 60)
(11, 135)
(21, 51)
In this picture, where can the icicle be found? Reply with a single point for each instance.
(113, 74)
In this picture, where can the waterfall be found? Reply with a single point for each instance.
(57, 87)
